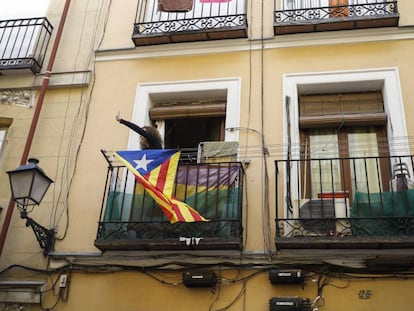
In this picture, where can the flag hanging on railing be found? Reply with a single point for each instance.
(175, 5)
(155, 170)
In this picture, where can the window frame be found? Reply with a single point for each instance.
(384, 79)
(230, 88)
(2, 138)
(344, 153)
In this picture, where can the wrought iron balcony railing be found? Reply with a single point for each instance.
(131, 220)
(345, 202)
(23, 43)
(167, 21)
(298, 16)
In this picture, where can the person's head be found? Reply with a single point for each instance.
(144, 144)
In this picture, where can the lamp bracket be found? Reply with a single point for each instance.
(45, 237)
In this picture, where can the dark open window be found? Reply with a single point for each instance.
(189, 123)
(189, 132)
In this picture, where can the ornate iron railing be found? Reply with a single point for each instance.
(291, 12)
(131, 219)
(345, 199)
(23, 43)
(215, 20)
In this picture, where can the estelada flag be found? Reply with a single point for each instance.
(155, 170)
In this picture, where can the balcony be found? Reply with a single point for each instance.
(131, 220)
(354, 203)
(167, 21)
(23, 44)
(294, 16)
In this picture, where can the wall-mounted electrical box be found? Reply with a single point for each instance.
(277, 276)
(289, 304)
(199, 279)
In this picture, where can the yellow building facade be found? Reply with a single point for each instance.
(292, 118)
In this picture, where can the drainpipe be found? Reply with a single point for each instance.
(38, 108)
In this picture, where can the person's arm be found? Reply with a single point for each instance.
(154, 141)
(134, 127)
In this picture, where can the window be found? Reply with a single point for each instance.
(379, 126)
(2, 139)
(343, 126)
(4, 126)
(189, 123)
(176, 106)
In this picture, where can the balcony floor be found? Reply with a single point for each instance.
(335, 24)
(346, 242)
(167, 244)
(190, 36)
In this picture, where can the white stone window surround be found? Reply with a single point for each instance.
(230, 87)
(384, 79)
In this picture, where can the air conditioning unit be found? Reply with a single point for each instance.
(321, 216)
(289, 304)
(313, 213)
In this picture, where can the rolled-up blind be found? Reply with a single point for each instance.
(188, 109)
(325, 110)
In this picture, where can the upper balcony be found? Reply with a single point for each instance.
(357, 203)
(23, 44)
(298, 16)
(167, 21)
(131, 220)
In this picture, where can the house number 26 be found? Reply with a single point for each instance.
(365, 294)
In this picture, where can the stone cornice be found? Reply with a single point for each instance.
(240, 45)
(26, 81)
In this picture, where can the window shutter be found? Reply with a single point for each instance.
(326, 110)
(188, 109)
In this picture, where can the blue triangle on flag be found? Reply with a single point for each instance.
(144, 161)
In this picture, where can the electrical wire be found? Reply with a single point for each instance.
(69, 178)
(266, 201)
(328, 277)
(216, 290)
(236, 298)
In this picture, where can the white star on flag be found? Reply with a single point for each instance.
(143, 163)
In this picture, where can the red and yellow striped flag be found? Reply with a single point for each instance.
(155, 170)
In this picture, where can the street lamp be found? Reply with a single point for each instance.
(29, 185)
